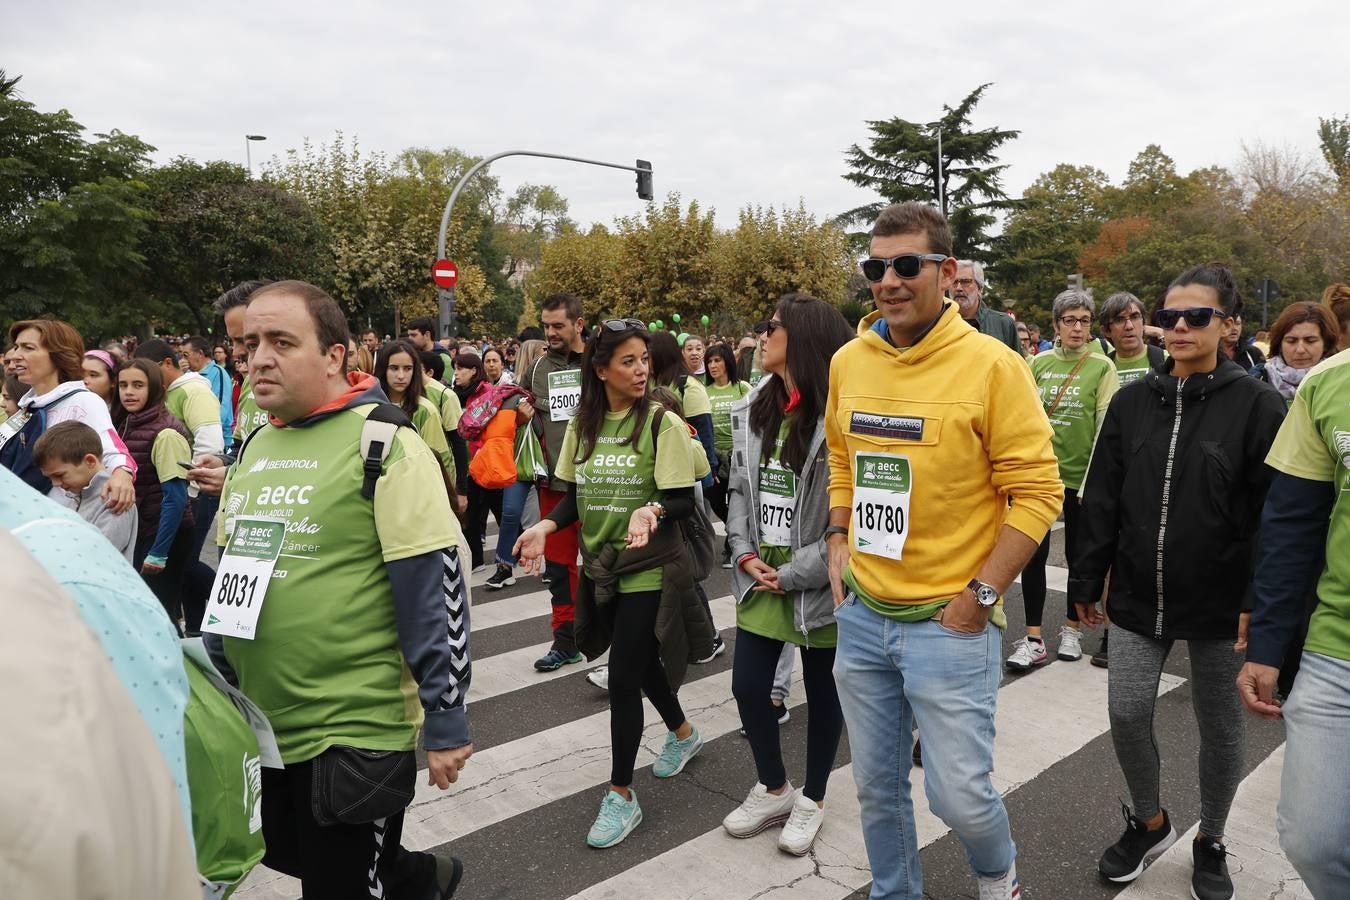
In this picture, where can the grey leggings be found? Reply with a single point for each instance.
(1132, 692)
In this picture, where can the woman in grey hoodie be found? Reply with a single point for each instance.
(778, 501)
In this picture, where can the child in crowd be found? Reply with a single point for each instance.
(11, 389)
(71, 455)
(160, 445)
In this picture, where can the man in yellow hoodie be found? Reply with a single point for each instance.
(942, 484)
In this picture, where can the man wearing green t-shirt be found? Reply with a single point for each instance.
(422, 335)
(1122, 318)
(363, 601)
(1305, 530)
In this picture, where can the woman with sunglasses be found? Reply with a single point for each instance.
(630, 480)
(1076, 385)
(779, 510)
(1170, 508)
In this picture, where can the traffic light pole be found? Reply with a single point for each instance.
(446, 296)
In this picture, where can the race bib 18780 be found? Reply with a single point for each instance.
(881, 490)
(244, 574)
(564, 394)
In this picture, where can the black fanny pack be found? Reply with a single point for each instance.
(353, 786)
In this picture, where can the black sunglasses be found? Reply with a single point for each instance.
(1196, 317)
(771, 326)
(907, 265)
(624, 325)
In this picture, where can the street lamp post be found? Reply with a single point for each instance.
(248, 149)
(941, 190)
(446, 296)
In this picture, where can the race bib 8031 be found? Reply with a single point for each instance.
(882, 484)
(243, 577)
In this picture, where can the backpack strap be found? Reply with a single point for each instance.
(377, 439)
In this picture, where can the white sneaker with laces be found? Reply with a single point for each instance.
(1005, 888)
(802, 826)
(1070, 644)
(1028, 653)
(759, 810)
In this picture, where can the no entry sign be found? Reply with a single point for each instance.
(445, 273)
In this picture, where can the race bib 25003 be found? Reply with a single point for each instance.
(564, 394)
(882, 484)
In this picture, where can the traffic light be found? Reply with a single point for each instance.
(644, 180)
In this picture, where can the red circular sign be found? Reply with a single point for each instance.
(445, 273)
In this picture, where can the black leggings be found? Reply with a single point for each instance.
(635, 669)
(167, 586)
(1033, 576)
(481, 501)
(752, 673)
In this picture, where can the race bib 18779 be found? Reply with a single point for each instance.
(564, 394)
(882, 483)
(777, 500)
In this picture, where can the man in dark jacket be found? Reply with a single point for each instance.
(968, 292)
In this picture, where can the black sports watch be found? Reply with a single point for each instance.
(985, 594)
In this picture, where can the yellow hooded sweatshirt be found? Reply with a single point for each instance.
(934, 448)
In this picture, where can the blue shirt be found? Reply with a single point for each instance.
(136, 634)
(223, 388)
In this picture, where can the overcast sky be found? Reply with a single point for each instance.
(734, 103)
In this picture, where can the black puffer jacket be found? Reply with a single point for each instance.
(1173, 499)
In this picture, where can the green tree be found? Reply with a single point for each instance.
(211, 226)
(900, 163)
(71, 218)
(1333, 135)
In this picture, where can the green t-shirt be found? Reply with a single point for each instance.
(194, 404)
(446, 402)
(326, 666)
(249, 417)
(168, 450)
(1314, 443)
(619, 478)
(427, 421)
(773, 615)
(693, 397)
(1081, 409)
(1132, 369)
(721, 399)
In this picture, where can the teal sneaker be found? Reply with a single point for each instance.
(617, 818)
(675, 755)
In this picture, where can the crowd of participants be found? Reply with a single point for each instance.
(881, 488)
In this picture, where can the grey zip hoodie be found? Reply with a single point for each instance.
(807, 574)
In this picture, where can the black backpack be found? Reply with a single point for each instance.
(697, 530)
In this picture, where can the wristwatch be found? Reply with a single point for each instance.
(985, 594)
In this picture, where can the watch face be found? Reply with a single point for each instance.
(986, 595)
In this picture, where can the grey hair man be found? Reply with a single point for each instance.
(968, 292)
(1124, 321)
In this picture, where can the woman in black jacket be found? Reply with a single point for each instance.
(1170, 508)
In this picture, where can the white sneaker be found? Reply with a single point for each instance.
(599, 676)
(1005, 888)
(759, 810)
(800, 831)
(1028, 653)
(1070, 644)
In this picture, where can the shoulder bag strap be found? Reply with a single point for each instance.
(1065, 386)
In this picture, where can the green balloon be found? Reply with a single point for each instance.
(651, 326)
(675, 318)
(681, 338)
(705, 320)
(660, 324)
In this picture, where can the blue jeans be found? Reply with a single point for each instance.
(513, 501)
(888, 674)
(1313, 816)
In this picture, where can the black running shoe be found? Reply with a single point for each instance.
(1210, 879)
(1126, 858)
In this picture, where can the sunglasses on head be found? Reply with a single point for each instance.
(907, 265)
(618, 325)
(1196, 317)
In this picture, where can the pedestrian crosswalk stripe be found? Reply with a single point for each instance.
(1064, 700)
